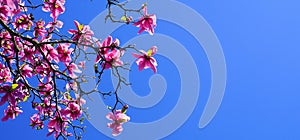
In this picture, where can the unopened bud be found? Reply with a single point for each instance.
(124, 109)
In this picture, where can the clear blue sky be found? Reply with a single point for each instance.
(260, 41)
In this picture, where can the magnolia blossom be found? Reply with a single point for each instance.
(49, 51)
(54, 25)
(29, 53)
(83, 33)
(47, 108)
(26, 70)
(109, 54)
(13, 4)
(112, 59)
(36, 121)
(12, 94)
(73, 68)
(118, 119)
(57, 125)
(11, 112)
(146, 23)
(4, 12)
(23, 22)
(39, 29)
(73, 111)
(146, 60)
(56, 7)
(5, 75)
(105, 46)
(64, 53)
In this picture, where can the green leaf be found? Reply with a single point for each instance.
(124, 18)
(14, 86)
(149, 53)
(25, 98)
(80, 27)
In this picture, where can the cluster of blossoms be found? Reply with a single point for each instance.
(33, 63)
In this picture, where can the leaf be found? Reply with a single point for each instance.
(25, 98)
(14, 86)
(149, 53)
(124, 18)
(80, 27)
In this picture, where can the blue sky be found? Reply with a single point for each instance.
(260, 41)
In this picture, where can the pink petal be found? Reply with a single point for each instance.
(136, 55)
(76, 24)
(110, 116)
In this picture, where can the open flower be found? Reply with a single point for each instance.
(118, 119)
(146, 60)
(146, 23)
(13, 4)
(36, 121)
(73, 111)
(107, 45)
(26, 70)
(12, 93)
(73, 68)
(83, 33)
(4, 12)
(39, 29)
(11, 112)
(112, 58)
(109, 54)
(56, 7)
(57, 125)
(64, 53)
(5, 75)
(23, 22)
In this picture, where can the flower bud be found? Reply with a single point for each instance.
(124, 109)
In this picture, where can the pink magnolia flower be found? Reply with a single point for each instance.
(83, 33)
(45, 88)
(5, 75)
(29, 53)
(36, 121)
(64, 53)
(73, 111)
(43, 69)
(11, 112)
(24, 22)
(56, 7)
(73, 68)
(105, 46)
(39, 29)
(4, 12)
(57, 125)
(118, 119)
(50, 52)
(54, 26)
(71, 86)
(12, 94)
(13, 4)
(109, 54)
(26, 70)
(112, 58)
(146, 60)
(146, 23)
(47, 108)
